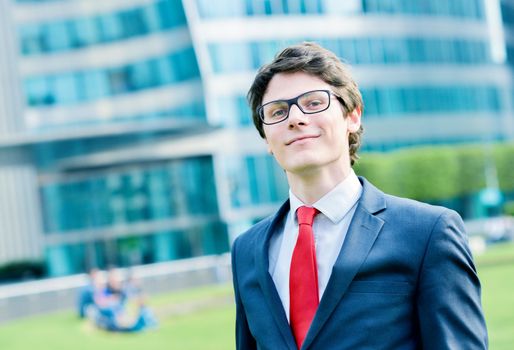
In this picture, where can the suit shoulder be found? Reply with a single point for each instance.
(422, 217)
(417, 208)
(400, 206)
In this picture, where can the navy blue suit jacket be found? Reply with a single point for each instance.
(404, 279)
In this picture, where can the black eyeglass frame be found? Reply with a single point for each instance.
(294, 101)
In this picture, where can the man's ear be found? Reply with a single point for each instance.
(354, 120)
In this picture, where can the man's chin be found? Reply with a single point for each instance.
(304, 166)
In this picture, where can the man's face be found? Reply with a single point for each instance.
(306, 143)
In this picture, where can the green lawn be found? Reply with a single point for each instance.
(203, 318)
(496, 272)
(196, 319)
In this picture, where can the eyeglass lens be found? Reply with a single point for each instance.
(309, 103)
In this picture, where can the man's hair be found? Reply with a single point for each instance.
(315, 60)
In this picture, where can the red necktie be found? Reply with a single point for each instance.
(303, 277)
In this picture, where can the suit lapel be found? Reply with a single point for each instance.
(266, 282)
(359, 240)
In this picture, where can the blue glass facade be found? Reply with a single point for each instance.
(76, 33)
(508, 20)
(152, 201)
(163, 204)
(397, 101)
(67, 88)
(237, 8)
(235, 109)
(143, 194)
(473, 9)
(47, 155)
(136, 249)
(234, 57)
(138, 213)
(255, 180)
(37, 1)
(507, 12)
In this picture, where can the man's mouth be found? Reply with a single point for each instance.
(300, 138)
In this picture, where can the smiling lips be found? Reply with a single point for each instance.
(300, 138)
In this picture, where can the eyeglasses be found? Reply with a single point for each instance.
(309, 102)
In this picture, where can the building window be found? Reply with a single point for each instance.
(74, 33)
(80, 86)
(237, 57)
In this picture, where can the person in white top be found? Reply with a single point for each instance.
(391, 273)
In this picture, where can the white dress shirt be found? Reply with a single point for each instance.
(330, 226)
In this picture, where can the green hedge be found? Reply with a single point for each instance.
(508, 208)
(438, 173)
(504, 159)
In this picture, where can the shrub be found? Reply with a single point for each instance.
(438, 173)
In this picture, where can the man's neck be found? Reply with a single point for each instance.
(310, 187)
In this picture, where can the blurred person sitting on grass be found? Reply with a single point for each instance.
(111, 310)
(86, 294)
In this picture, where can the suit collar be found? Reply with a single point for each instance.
(265, 280)
(372, 199)
(362, 233)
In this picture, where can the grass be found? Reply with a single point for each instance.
(496, 272)
(203, 318)
(196, 319)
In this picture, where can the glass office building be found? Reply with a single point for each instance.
(125, 137)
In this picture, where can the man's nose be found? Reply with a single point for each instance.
(296, 115)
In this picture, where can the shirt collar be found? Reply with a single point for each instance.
(337, 202)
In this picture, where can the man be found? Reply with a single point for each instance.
(342, 265)
(87, 293)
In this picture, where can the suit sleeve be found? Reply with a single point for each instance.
(244, 338)
(448, 299)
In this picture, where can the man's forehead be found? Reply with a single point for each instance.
(289, 85)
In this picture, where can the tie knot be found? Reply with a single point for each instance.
(306, 215)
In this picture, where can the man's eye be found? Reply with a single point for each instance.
(313, 104)
(278, 113)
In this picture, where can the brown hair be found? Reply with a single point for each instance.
(313, 59)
